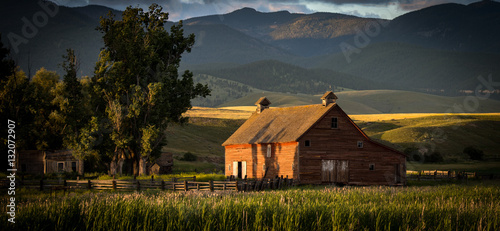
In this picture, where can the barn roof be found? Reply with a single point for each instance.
(278, 125)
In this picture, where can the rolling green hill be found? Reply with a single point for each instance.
(446, 134)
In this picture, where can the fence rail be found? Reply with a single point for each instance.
(442, 175)
(176, 184)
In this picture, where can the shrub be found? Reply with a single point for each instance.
(474, 153)
(413, 154)
(433, 157)
(188, 156)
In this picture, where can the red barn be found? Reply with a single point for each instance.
(314, 144)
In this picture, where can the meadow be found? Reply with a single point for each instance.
(453, 206)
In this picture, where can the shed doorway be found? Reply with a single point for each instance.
(239, 169)
(335, 171)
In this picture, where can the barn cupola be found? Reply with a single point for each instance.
(328, 98)
(262, 104)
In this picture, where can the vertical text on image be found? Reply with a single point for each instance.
(11, 158)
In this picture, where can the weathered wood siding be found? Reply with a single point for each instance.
(283, 159)
(341, 144)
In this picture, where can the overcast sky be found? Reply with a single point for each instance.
(183, 9)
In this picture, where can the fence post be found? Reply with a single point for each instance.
(65, 185)
(435, 174)
(186, 188)
(194, 178)
(211, 184)
(138, 186)
(224, 186)
(419, 174)
(237, 189)
(89, 185)
(198, 187)
(173, 186)
(162, 185)
(114, 184)
(152, 178)
(41, 184)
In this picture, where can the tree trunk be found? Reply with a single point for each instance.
(142, 166)
(81, 167)
(114, 163)
(135, 166)
(112, 167)
(120, 165)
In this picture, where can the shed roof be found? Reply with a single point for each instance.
(278, 125)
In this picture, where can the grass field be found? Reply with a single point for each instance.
(471, 206)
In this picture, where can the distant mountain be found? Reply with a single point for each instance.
(44, 46)
(272, 75)
(443, 47)
(217, 43)
(300, 34)
(416, 68)
(474, 27)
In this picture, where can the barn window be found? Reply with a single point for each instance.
(73, 166)
(60, 166)
(360, 144)
(229, 167)
(334, 122)
(277, 167)
(372, 167)
(269, 150)
(307, 143)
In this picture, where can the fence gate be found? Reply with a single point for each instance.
(335, 171)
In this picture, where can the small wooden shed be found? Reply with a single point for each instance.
(40, 162)
(162, 165)
(314, 144)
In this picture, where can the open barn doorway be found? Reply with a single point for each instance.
(239, 169)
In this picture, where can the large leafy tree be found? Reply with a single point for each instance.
(136, 88)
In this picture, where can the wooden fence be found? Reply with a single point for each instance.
(176, 184)
(443, 175)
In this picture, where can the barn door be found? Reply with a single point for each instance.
(397, 174)
(235, 168)
(243, 169)
(335, 171)
(342, 171)
(327, 170)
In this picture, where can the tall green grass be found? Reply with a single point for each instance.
(450, 207)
